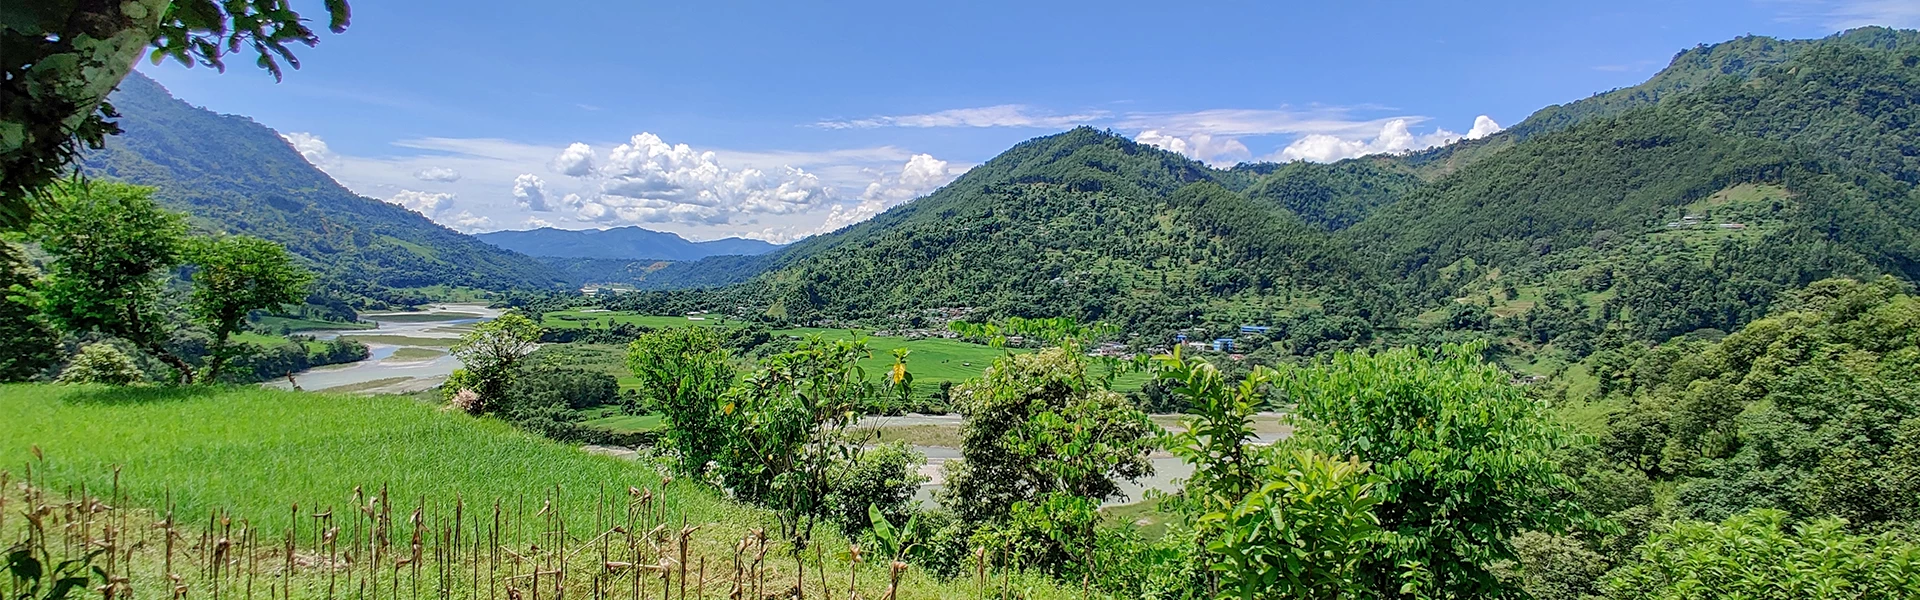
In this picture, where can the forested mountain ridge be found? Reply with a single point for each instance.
(1083, 223)
(234, 175)
(619, 243)
(1639, 219)
(1692, 213)
(1736, 59)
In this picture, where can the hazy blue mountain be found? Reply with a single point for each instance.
(620, 243)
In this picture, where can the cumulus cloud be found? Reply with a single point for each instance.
(426, 203)
(470, 223)
(1483, 126)
(440, 174)
(648, 180)
(537, 223)
(312, 148)
(1004, 115)
(530, 192)
(1200, 146)
(1394, 137)
(577, 161)
(920, 176)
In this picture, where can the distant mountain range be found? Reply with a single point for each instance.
(620, 243)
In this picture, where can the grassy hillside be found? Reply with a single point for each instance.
(234, 175)
(254, 452)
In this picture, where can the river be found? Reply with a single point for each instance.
(409, 351)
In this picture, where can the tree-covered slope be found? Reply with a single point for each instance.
(234, 175)
(620, 243)
(1692, 213)
(1083, 223)
(1737, 59)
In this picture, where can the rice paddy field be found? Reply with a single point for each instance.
(933, 360)
(226, 456)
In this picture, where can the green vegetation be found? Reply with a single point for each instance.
(411, 354)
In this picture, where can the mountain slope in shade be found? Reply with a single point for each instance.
(620, 243)
(231, 174)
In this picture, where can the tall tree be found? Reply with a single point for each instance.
(111, 245)
(60, 58)
(236, 275)
(31, 343)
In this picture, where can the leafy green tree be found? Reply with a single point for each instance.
(1274, 521)
(62, 58)
(32, 344)
(1468, 459)
(233, 276)
(1037, 423)
(789, 441)
(1757, 555)
(490, 354)
(683, 373)
(101, 362)
(112, 246)
(882, 478)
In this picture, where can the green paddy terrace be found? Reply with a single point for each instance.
(256, 452)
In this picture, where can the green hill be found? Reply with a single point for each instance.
(234, 175)
(1083, 223)
(1686, 203)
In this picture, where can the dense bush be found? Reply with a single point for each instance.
(1759, 555)
(101, 362)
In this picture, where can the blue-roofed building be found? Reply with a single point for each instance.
(1223, 345)
(1255, 329)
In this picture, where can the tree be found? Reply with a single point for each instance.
(490, 353)
(1038, 423)
(1467, 458)
(111, 246)
(32, 345)
(236, 275)
(789, 442)
(683, 373)
(60, 59)
(1273, 521)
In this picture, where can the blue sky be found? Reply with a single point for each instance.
(782, 119)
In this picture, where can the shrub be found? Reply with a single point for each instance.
(1757, 556)
(101, 363)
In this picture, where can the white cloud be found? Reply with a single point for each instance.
(577, 160)
(1483, 126)
(647, 180)
(920, 176)
(440, 174)
(530, 192)
(1217, 151)
(312, 148)
(537, 223)
(1848, 14)
(1004, 115)
(426, 203)
(468, 222)
(1394, 137)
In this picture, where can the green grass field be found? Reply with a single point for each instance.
(931, 360)
(256, 452)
